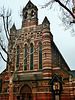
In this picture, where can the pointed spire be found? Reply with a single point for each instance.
(46, 20)
(14, 27)
(28, 5)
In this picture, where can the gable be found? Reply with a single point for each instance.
(55, 78)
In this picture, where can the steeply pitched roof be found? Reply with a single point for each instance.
(55, 76)
(30, 5)
(13, 27)
(46, 20)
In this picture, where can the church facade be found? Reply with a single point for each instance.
(43, 72)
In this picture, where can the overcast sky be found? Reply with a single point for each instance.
(63, 39)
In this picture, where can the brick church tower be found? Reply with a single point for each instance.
(42, 73)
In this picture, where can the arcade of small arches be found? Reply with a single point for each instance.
(35, 35)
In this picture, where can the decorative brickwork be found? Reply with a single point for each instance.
(41, 61)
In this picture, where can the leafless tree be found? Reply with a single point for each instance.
(5, 18)
(66, 13)
(8, 44)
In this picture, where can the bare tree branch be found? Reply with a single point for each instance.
(6, 21)
(65, 8)
(24, 59)
(61, 4)
(3, 57)
(4, 49)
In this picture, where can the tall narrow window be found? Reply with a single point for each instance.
(26, 15)
(25, 62)
(40, 56)
(31, 57)
(32, 13)
(0, 85)
(18, 51)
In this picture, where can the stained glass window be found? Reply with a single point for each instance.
(31, 57)
(18, 51)
(25, 62)
(40, 56)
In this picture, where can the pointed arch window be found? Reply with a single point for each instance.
(40, 55)
(26, 15)
(18, 51)
(31, 57)
(32, 13)
(25, 61)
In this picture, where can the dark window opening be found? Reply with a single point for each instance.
(31, 57)
(32, 13)
(25, 62)
(0, 85)
(26, 15)
(40, 56)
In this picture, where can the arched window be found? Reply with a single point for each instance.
(18, 51)
(25, 61)
(40, 56)
(26, 15)
(32, 13)
(31, 57)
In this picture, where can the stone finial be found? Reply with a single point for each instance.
(46, 20)
(13, 27)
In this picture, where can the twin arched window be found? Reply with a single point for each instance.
(26, 14)
(31, 57)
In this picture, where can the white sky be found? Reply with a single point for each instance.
(63, 39)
